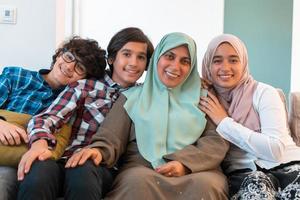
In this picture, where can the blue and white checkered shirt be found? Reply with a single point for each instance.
(25, 91)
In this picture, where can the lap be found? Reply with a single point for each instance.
(132, 181)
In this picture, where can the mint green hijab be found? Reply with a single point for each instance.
(166, 120)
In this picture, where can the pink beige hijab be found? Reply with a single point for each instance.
(237, 100)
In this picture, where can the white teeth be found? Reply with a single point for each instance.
(172, 74)
(131, 71)
(225, 76)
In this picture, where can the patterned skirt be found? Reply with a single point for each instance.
(282, 182)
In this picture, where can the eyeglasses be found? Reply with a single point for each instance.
(79, 68)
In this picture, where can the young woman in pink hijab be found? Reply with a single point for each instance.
(263, 161)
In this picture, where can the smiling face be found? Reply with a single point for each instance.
(130, 63)
(226, 67)
(174, 66)
(62, 73)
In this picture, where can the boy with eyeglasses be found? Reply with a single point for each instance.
(30, 92)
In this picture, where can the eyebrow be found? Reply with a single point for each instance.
(231, 56)
(186, 57)
(130, 50)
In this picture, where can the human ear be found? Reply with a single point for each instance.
(110, 61)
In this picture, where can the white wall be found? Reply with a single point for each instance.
(31, 41)
(295, 71)
(201, 19)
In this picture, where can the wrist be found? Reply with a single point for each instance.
(41, 143)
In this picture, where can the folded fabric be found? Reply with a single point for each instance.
(11, 155)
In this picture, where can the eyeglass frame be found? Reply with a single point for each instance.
(79, 67)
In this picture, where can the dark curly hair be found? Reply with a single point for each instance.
(89, 52)
(130, 34)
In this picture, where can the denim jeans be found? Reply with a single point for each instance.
(50, 179)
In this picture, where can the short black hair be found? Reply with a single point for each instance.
(130, 34)
(89, 52)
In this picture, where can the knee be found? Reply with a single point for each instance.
(39, 175)
(137, 177)
(83, 178)
(213, 185)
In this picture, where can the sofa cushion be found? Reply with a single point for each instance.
(11, 155)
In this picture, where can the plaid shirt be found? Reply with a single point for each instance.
(25, 91)
(84, 104)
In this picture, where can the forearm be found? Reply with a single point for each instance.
(45, 124)
(258, 144)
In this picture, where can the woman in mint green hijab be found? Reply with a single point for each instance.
(166, 147)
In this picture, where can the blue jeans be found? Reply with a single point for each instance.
(50, 179)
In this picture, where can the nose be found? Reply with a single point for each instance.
(133, 61)
(177, 65)
(70, 66)
(225, 65)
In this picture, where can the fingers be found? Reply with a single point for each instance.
(25, 164)
(3, 139)
(95, 156)
(172, 169)
(166, 170)
(45, 155)
(212, 97)
(13, 136)
(205, 104)
(210, 103)
(73, 160)
(23, 134)
(97, 159)
(81, 157)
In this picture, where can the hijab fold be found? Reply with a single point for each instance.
(166, 119)
(237, 100)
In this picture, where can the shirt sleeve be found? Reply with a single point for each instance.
(45, 124)
(5, 86)
(267, 144)
(113, 135)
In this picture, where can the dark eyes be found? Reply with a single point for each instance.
(233, 60)
(126, 54)
(169, 56)
(140, 57)
(219, 61)
(186, 61)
